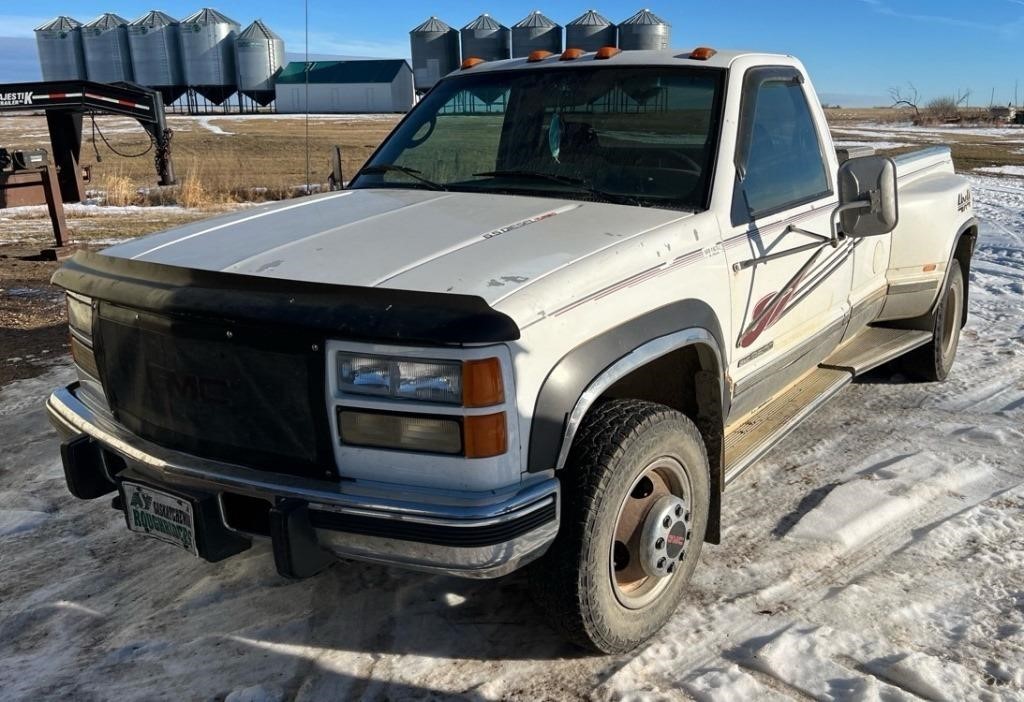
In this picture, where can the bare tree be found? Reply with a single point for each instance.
(911, 98)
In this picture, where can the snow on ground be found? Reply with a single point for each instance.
(873, 144)
(877, 554)
(1002, 170)
(90, 209)
(205, 123)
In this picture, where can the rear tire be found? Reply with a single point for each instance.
(635, 496)
(933, 361)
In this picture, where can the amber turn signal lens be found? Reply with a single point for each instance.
(84, 357)
(606, 52)
(702, 53)
(481, 383)
(571, 54)
(538, 55)
(471, 61)
(485, 436)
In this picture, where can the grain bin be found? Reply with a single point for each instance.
(535, 32)
(59, 42)
(208, 54)
(435, 52)
(105, 43)
(260, 55)
(486, 38)
(644, 30)
(156, 54)
(590, 31)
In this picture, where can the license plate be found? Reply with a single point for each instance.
(160, 515)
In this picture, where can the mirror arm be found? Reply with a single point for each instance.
(856, 205)
(814, 235)
(750, 263)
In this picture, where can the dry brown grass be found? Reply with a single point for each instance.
(120, 190)
(193, 192)
(261, 158)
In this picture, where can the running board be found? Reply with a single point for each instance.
(873, 347)
(755, 436)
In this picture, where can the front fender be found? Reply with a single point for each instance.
(580, 376)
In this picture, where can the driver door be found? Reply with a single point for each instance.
(790, 288)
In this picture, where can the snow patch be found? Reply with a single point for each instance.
(14, 521)
(205, 123)
(1002, 170)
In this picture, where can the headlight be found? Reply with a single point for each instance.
(80, 315)
(470, 383)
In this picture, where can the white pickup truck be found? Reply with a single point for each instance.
(567, 301)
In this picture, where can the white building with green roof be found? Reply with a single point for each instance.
(359, 86)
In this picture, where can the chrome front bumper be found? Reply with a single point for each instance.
(458, 533)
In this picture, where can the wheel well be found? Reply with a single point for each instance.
(963, 253)
(689, 381)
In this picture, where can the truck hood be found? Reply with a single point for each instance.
(469, 243)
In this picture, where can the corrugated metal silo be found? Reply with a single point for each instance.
(486, 38)
(535, 32)
(156, 54)
(644, 30)
(435, 52)
(105, 43)
(260, 56)
(590, 31)
(60, 49)
(208, 54)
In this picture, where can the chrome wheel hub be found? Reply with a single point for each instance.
(665, 535)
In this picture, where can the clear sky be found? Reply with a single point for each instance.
(855, 49)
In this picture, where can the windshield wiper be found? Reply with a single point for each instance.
(577, 183)
(411, 172)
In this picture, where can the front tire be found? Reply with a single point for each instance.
(635, 496)
(933, 361)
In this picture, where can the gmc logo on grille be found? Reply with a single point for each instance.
(188, 386)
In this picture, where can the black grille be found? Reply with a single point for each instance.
(225, 391)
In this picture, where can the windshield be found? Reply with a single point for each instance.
(637, 135)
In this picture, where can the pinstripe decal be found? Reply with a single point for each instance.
(679, 262)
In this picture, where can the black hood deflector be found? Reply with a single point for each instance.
(341, 311)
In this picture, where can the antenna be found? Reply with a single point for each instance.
(306, 71)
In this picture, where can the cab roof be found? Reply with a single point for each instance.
(661, 57)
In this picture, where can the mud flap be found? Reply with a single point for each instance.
(297, 553)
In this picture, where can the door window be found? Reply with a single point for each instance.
(781, 162)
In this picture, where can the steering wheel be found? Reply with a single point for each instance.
(414, 141)
(691, 165)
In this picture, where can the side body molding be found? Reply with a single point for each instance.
(583, 374)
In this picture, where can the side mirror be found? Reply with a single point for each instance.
(868, 202)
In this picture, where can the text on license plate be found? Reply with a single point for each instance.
(161, 515)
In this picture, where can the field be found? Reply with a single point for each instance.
(877, 554)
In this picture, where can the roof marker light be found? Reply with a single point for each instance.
(702, 53)
(607, 52)
(538, 55)
(571, 54)
(471, 62)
